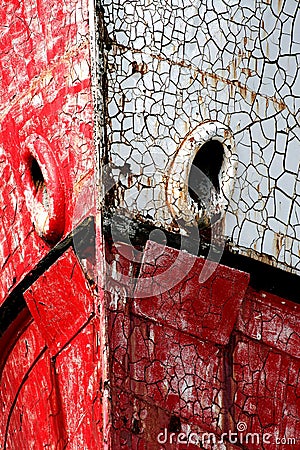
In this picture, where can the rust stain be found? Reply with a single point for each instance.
(253, 96)
(130, 179)
(267, 49)
(280, 104)
(234, 66)
(278, 242)
(263, 257)
(226, 134)
(204, 75)
(247, 71)
(203, 78)
(122, 101)
(257, 106)
(243, 91)
(241, 55)
(214, 81)
(139, 68)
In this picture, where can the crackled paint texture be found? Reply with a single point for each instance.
(50, 365)
(44, 93)
(186, 356)
(173, 65)
(199, 358)
(50, 369)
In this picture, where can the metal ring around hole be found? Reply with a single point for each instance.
(48, 219)
(178, 198)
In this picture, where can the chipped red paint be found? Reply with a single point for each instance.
(165, 375)
(79, 377)
(207, 310)
(60, 302)
(167, 362)
(49, 220)
(44, 93)
(50, 361)
(51, 366)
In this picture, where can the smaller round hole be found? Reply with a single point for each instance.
(39, 183)
(205, 170)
